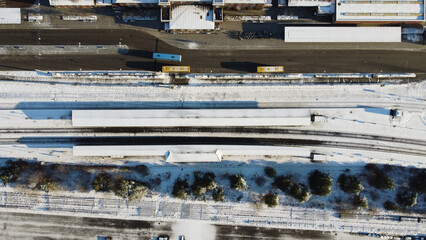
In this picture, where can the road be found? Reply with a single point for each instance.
(143, 45)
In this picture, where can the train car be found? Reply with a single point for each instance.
(270, 69)
(169, 57)
(176, 69)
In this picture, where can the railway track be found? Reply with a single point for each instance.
(238, 131)
(346, 143)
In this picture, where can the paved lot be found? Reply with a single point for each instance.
(37, 226)
(142, 45)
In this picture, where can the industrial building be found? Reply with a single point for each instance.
(358, 11)
(188, 153)
(191, 118)
(342, 34)
(350, 11)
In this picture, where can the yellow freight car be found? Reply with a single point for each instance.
(270, 69)
(176, 69)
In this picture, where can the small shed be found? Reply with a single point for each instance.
(10, 16)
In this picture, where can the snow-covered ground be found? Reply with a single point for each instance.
(316, 214)
(61, 94)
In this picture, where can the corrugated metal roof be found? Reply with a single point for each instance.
(134, 1)
(310, 3)
(10, 16)
(380, 10)
(191, 17)
(246, 2)
(72, 2)
(342, 34)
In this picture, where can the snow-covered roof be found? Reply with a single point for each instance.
(380, 10)
(71, 2)
(326, 9)
(188, 153)
(134, 1)
(10, 16)
(190, 117)
(263, 2)
(310, 3)
(342, 34)
(191, 17)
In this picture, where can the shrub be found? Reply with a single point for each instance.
(320, 183)
(406, 198)
(13, 170)
(7, 177)
(378, 178)
(142, 169)
(299, 192)
(181, 189)
(270, 171)
(271, 200)
(219, 195)
(418, 182)
(238, 182)
(391, 206)
(46, 184)
(296, 190)
(260, 181)
(101, 183)
(122, 187)
(360, 202)
(349, 184)
(137, 192)
(133, 190)
(203, 183)
(283, 183)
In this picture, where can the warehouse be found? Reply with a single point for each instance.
(342, 34)
(188, 153)
(191, 118)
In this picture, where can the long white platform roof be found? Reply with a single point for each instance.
(342, 34)
(188, 153)
(191, 117)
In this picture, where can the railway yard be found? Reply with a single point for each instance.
(114, 128)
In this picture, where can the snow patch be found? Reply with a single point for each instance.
(193, 230)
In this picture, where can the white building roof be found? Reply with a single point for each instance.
(262, 2)
(134, 1)
(310, 3)
(71, 2)
(191, 17)
(342, 34)
(188, 153)
(10, 16)
(191, 117)
(380, 10)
